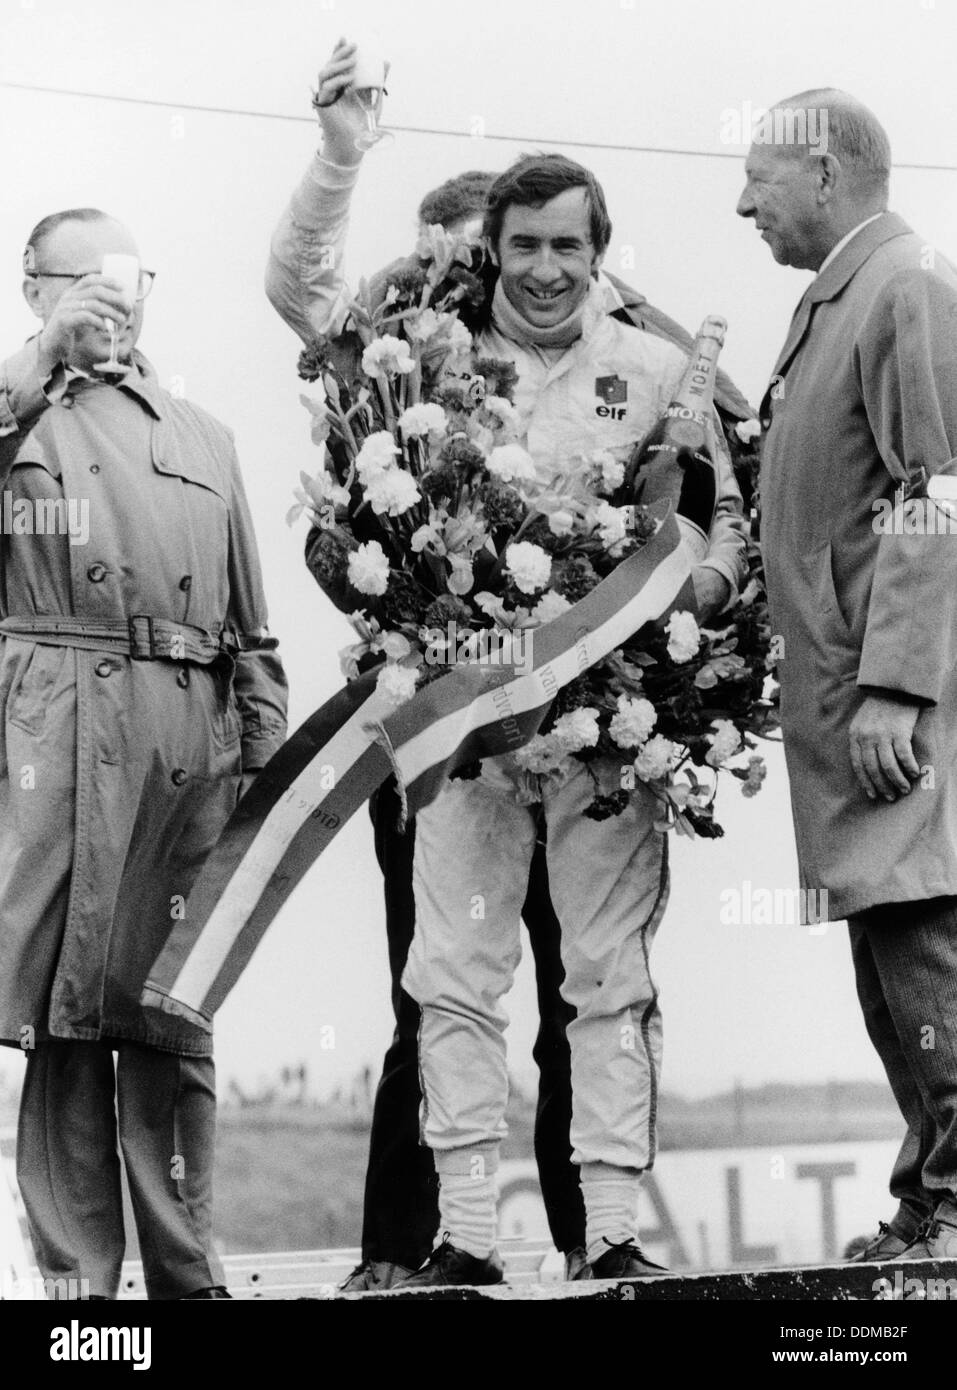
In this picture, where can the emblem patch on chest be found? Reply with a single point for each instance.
(613, 392)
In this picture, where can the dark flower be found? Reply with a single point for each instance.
(448, 608)
(409, 281)
(501, 378)
(402, 601)
(503, 506)
(314, 359)
(463, 452)
(474, 289)
(574, 577)
(603, 807)
(440, 482)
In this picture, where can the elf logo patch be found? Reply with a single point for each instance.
(613, 392)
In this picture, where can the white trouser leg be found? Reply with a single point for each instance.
(473, 849)
(609, 887)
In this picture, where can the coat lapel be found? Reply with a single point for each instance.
(829, 285)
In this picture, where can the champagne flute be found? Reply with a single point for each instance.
(368, 81)
(125, 269)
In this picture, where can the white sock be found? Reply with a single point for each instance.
(468, 1199)
(611, 1206)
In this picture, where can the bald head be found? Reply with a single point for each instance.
(825, 120)
(819, 166)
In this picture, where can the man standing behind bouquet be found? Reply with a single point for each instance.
(549, 229)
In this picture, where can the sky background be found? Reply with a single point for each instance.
(645, 93)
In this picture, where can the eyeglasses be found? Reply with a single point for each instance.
(143, 287)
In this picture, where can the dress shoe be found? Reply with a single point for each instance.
(373, 1276)
(624, 1261)
(576, 1265)
(937, 1238)
(892, 1240)
(447, 1266)
(215, 1291)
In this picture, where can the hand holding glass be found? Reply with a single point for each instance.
(126, 270)
(368, 81)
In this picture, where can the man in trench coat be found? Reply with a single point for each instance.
(861, 563)
(138, 693)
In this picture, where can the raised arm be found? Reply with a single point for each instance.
(304, 277)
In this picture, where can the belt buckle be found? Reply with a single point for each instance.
(135, 642)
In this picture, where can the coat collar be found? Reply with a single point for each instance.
(143, 383)
(827, 286)
(848, 261)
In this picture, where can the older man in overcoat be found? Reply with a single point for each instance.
(138, 693)
(861, 559)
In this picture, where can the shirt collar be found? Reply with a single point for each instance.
(839, 247)
(140, 382)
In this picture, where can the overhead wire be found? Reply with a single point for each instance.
(420, 130)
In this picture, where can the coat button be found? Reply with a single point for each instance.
(186, 583)
(182, 678)
(94, 468)
(179, 776)
(96, 573)
(104, 668)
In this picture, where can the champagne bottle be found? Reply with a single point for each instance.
(676, 459)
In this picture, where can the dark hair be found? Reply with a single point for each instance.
(535, 179)
(48, 225)
(458, 198)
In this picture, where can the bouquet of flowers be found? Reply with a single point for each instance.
(444, 541)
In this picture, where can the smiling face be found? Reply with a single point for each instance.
(782, 194)
(77, 248)
(546, 257)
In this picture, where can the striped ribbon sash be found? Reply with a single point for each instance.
(337, 759)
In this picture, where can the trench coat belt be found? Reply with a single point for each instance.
(140, 637)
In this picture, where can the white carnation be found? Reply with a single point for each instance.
(386, 357)
(377, 452)
(542, 754)
(746, 430)
(529, 565)
(368, 569)
(561, 522)
(460, 339)
(423, 326)
(504, 411)
(610, 522)
(612, 472)
(392, 491)
(550, 605)
(423, 419)
(511, 463)
(684, 638)
(633, 723)
(725, 742)
(655, 758)
(578, 729)
(396, 683)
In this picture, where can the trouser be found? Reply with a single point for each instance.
(905, 962)
(163, 1109)
(609, 886)
(401, 1213)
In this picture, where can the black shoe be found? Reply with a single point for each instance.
(624, 1261)
(374, 1275)
(447, 1267)
(576, 1265)
(890, 1242)
(216, 1291)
